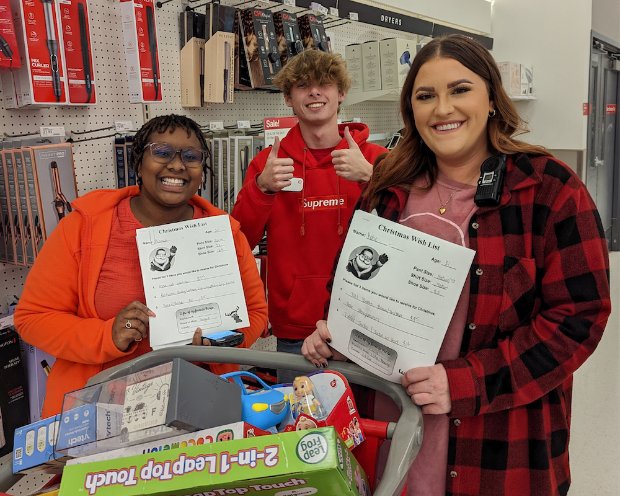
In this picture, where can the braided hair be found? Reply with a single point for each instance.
(162, 124)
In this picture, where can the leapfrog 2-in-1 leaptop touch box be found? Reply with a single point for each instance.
(312, 461)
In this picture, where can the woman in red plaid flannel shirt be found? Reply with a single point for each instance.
(497, 403)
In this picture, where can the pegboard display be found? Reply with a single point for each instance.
(93, 151)
(381, 117)
(92, 127)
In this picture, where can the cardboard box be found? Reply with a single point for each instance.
(227, 432)
(7, 249)
(527, 80)
(219, 18)
(9, 93)
(371, 66)
(313, 32)
(34, 447)
(141, 50)
(9, 52)
(518, 79)
(192, 73)
(288, 37)
(169, 399)
(192, 58)
(219, 80)
(353, 58)
(300, 462)
(53, 182)
(13, 399)
(396, 56)
(41, 80)
(26, 220)
(260, 46)
(325, 399)
(77, 50)
(15, 219)
(38, 366)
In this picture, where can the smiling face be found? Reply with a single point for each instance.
(160, 255)
(171, 185)
(364, 259)
(302, 386)
(315, 103)
(451, 108)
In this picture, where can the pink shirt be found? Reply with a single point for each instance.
(427, 475)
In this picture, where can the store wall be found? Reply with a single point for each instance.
(606, 19)
(554, 37)
(474, 15)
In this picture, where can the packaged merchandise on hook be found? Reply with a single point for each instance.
(141, 51)
(37, 186)
(56, 55)
(9, 53)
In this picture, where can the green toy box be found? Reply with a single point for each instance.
(288, 464)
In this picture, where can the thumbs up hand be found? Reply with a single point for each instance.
(349, 163)
(277, 173)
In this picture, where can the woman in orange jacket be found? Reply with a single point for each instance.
(83, 301)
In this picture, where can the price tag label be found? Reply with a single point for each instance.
(333, 11)
(290, 3)
(243, 125)
(216, 126)
(49, 131)
(123, 126)
(317, 7)
(353, 16)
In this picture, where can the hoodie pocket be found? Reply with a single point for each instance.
(307, 301)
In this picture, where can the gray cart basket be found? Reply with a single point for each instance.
(406, 434)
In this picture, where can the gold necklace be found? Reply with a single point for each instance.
(443, 204)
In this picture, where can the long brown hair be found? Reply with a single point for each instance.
(411, 159)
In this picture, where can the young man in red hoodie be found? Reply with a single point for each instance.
(302, 191)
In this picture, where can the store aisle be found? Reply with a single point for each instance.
(595, 436)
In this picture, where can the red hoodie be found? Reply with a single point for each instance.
(305, 229)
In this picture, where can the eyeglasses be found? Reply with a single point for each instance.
(368, 258)
(163, 154)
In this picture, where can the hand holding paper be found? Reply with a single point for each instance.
(394, 293)
(199, 287)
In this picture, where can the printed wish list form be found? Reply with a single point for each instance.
(191, 279)
(394, 293)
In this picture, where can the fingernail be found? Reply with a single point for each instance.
(317, 365)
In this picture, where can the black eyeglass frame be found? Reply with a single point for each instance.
(179, 152)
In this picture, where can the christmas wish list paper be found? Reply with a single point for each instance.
(394, 293)
(191, 279)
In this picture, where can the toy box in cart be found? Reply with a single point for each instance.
(312, 461)
(322, 399)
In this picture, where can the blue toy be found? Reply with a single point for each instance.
(264, 408)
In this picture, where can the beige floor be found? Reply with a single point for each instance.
(595, 436)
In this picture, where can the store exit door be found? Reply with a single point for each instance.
(603, 162)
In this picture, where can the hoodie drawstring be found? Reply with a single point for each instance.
(302, 229)
(339, 222)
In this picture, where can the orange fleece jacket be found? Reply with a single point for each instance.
(56, 311)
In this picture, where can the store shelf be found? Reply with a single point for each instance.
(372, 96)
(523, 98)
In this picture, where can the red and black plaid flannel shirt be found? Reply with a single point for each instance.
(538, 305)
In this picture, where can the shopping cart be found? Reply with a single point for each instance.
(405, 435)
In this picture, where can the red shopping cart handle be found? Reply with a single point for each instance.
(375, 428)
